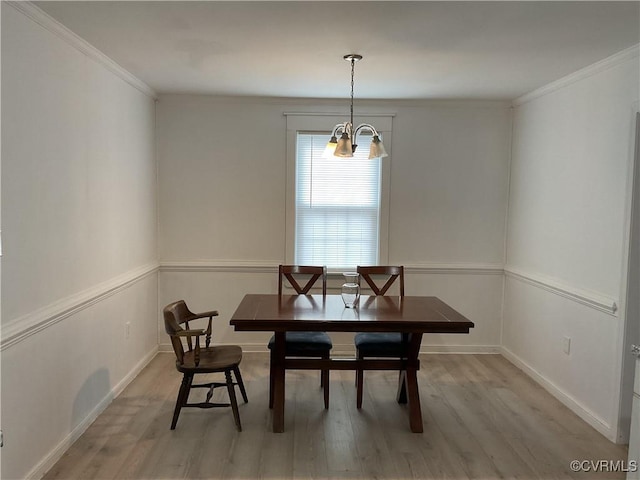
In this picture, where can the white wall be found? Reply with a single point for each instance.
(567, 227)
(449, 183)
(222, 184)
(79, 237)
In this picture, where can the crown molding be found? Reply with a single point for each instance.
(48, 22)
(591, 299)
(314, 104)
(613, 60)
(336, 114)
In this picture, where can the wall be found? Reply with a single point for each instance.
(79, 236)
(0, 246)
(567, 230)
(222, 184)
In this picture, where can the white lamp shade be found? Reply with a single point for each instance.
(330, 148)
(344, 149)
(377, 148)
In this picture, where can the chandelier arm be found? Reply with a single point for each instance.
(364, 126)
(339, 128)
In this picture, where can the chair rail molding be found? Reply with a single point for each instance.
(260, 266)
(595, 300)
(453, 268)
(242, 266)
(34, 322)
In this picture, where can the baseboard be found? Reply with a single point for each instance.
(462, 349)
(575, 406)
(56, 453)
(348, 350)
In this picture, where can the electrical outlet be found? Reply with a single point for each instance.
(566, 345)
(127, 329)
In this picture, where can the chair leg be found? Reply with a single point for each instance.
(358, 371)
(324, 381)
(359, 383)
(236, 371)
(271, 381)
(183, 395)
(232, 398)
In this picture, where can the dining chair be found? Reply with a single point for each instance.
(303, 344)
(374, 344)
(201, 360)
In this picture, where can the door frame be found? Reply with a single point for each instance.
(629, 327)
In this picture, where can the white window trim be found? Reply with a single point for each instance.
(324, 122)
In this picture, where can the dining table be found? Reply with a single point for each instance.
(411, 315)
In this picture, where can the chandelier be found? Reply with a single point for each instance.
(346, 144)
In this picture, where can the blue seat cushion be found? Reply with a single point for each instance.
(305, 344)
(380, 344)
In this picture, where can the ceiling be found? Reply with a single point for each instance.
(412, 50)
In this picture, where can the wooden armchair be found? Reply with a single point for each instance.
(195, 360)
(374, 344)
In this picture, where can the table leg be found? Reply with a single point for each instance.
(411, 383)
(401, 397)
(415, 413)
(278, 383)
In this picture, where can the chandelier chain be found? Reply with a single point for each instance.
(346, 145)
(353, 63)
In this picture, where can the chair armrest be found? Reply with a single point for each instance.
(190, 333)
(212, 313)
(209, 315)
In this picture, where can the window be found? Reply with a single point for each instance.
(336, 207)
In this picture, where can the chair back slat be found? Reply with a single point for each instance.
(178, 348)
(291, 271)
(174, 314)
(393, 272)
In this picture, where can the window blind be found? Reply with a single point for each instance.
(337, 205)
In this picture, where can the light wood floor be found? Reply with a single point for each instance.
(483, 418)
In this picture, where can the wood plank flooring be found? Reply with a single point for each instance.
(483, 419)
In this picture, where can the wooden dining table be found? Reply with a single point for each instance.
(410, 315)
